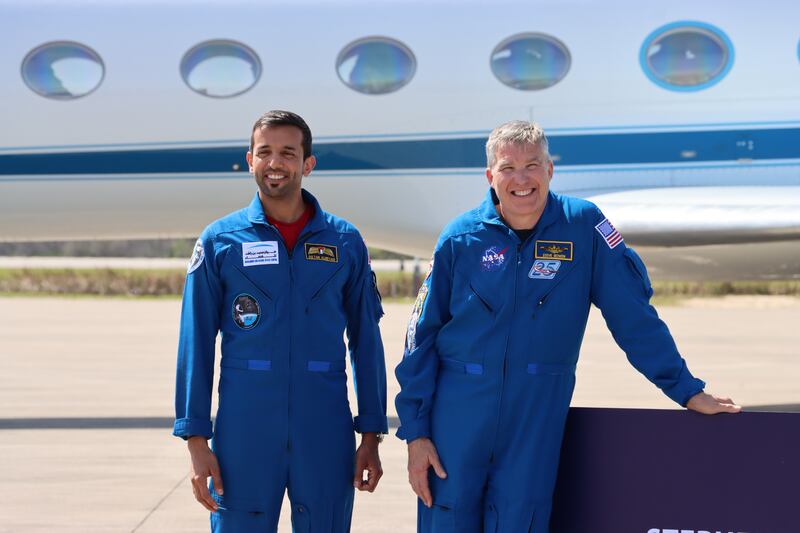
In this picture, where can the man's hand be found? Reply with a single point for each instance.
(711, 405)
(367, 458)
(421, 456)
(204, 464)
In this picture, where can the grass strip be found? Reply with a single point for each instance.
(392, 285)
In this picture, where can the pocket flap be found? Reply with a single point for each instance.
(551, 369)
(246, 364)
(326, 366)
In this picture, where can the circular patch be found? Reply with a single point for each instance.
(246, 311)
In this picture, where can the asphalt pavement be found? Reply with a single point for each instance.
(86, 392)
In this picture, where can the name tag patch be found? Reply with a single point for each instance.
(560, 250)
(260, 253)
(544, 269)
(322, 252)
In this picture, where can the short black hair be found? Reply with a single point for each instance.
(277, 117)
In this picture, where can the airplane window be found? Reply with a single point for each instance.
(530, 61)
(62, 70)
(220, 68)
(686, 56)
(376, 65)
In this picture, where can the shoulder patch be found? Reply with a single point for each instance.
(411, 330)
(197, 257)
(609, 233)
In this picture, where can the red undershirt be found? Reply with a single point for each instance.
(290, 232)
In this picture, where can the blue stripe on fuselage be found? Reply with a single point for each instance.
(575, 150)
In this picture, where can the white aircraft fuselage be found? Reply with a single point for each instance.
(143, 154)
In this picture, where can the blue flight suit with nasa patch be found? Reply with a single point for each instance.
(489, 366)
(284, 419)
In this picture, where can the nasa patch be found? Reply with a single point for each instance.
(197, 257)
(544, 269)
(493, 258)
(246, 311)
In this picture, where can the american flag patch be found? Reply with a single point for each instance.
(609, 233)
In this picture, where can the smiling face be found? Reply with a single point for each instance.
(277, 161)
(520, 176)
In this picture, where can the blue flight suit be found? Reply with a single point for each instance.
(489, 365)
(284, 419)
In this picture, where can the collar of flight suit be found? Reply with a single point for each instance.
(256, 215)
(488, 214)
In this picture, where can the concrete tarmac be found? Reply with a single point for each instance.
(86, 392)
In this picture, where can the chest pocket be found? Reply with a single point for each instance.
(264, 279)
(317, 281)
(475, 296)
(463, 341)
(248, 302)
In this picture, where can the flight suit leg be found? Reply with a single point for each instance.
(321, 464)
(321, 489)
(249, 441)
(257, 516)
(524, 468)
(463, 422)
(444, 517)
(457, 499)
(229, 521)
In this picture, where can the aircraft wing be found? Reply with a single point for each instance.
(692, 216)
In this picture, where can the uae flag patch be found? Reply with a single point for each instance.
(609, 233)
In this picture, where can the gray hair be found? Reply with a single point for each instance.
(515, 132)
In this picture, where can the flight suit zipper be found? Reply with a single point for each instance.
(514, 308)
(508, 337)
(543, 298)
(290, 300)
(290, 254)
(289, 403)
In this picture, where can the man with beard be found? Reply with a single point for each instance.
(489, 365)
(281, 280)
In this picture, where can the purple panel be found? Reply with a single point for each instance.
(663, 471)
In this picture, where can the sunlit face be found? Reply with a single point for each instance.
(520, 176)
(277, 161)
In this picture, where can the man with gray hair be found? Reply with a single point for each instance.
(489, 363)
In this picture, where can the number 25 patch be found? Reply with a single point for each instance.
(544, 269)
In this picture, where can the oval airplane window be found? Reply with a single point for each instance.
(686, 56)
(376, 65)
(62, 70)
(530, 61)
(220, 68)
